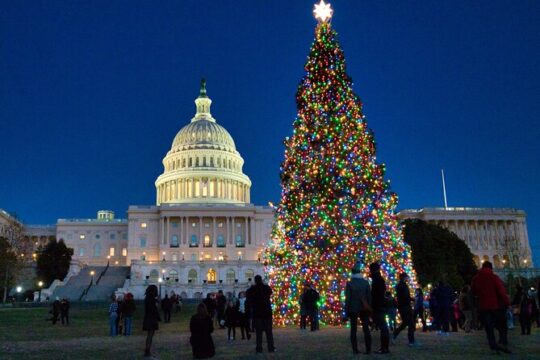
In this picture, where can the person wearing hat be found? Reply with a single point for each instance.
(404, 301)
(378, 303)
(358, 306)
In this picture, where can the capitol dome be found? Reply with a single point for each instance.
(203, 165)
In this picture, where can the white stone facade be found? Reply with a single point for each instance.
(498, 235)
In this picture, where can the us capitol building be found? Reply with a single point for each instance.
(203, 234)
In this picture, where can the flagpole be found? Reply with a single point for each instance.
(444, 189)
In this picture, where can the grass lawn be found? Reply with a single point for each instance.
(24, 334)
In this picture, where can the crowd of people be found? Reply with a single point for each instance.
(483, 304)
(60, 310)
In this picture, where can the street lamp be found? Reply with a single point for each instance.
(160, 280)
(40, 284)
(19, 289)
(92, 275)
(164, 253)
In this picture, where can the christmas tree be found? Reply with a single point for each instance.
(336, 209)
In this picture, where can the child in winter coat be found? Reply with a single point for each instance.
(231, 319)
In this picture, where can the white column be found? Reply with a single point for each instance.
(166, 237)
(162, 227)
(232, 230)
(252, 224)
(200, 231)
(228, 230)
(246, 234)
(214, 242)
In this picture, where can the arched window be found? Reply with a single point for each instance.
(249, 275)
(193, 241)
(207, 241)
(173, 275)
(154, 275)
(174, 241)
(192, 275)
(240, 241)
(220, 241)
(485, 258)
(211, 276)
(97, 250)
(82, 252)
(231, 276)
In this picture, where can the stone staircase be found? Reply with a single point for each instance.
(105, 281)
(112, 279)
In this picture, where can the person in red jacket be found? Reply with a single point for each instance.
(492, 304)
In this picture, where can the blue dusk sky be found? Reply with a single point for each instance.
(93, 92)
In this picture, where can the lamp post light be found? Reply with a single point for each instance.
(160, 280)
(183, 258)
(92, 273)
(164, 253)
(40, 284)
(19, 290)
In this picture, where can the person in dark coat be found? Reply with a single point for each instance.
(201, 327)
(378, 303)
(151, 317)
(524, 304)
(120, 317)
(258, 296)
(358, 306)
(309, 300)
(129, 310)
(303, 310)
(166, 306)
(231, 318)
(221, 303)
(210, 304)
(64, 311)
(419, 308)
(443, 297)
(492, 304)
(55, 311)
(243, 315)
(404, 301)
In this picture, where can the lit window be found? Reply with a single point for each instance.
(239, 241)
(143, 241)
(220, 241)
(174, 257)
(193, 224)
(82, 236)
(207, 241)
(174, 241)
(97, 250)
(143, 225)
(220, 224)
(124, 252)
(193, 242)
(111, 251)
(81, 252)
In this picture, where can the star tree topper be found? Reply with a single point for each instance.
(323, 11)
